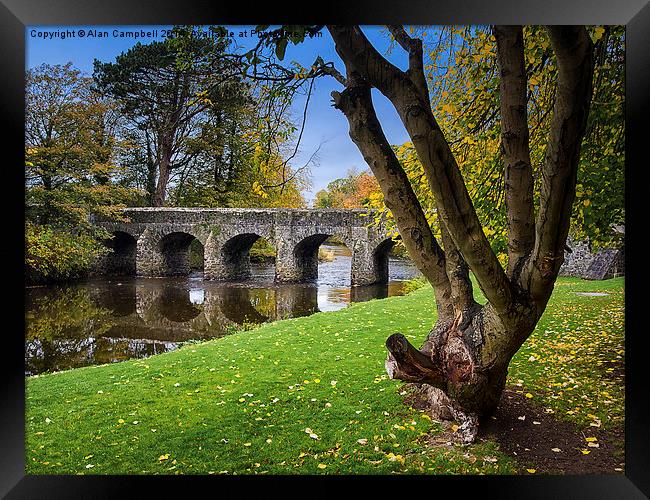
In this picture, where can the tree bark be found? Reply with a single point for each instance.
(574, 52)
(515, 146)
(365, 131)
(164, 171)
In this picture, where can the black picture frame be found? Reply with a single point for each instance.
(15, 15)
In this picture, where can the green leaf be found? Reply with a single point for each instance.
(280, 48)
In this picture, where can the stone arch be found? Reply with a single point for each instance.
(305, 254)
(230, 260)
(174, 249)
(121, 260)
(235, 254)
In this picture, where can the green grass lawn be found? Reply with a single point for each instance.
(311, 395)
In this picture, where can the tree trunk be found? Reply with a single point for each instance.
(164, 172)
(151, 174)
(515, 146)
(462, 365)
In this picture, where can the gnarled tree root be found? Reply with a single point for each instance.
(407, 363)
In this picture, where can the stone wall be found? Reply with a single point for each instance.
(581, 262)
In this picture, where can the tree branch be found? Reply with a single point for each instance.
(406, 363)
(515, 147)
(455, 207)
(416, 64)
(365, 130)
(574, 52)
(458, 273)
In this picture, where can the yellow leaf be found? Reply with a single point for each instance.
(163, 457)
(532, 471)
(321, 466)
(529, 395)
(454, 428)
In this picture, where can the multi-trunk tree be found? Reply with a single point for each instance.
(463, 364)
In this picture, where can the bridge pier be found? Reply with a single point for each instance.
(363, 271)
(370, 263)
(297, 262)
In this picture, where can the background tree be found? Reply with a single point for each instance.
(203, 132)
(70, 146)
(352, 191)
(174, 93)
(241, 160)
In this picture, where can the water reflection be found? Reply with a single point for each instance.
(109, 320)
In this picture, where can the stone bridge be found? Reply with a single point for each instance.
(156, 242)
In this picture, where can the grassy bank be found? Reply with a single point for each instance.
(310, 395)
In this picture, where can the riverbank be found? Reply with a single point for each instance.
(310, 395)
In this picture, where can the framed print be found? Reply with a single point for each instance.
(377, 243)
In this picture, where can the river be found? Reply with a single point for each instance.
(106, 320)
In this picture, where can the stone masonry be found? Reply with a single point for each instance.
(581, 262)
(156, 242)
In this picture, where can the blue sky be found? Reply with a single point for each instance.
(325, 125)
